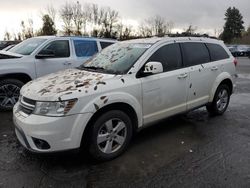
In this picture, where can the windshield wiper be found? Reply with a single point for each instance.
(94, 68)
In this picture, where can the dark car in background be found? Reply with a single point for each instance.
(233, 50)
(4, 44)
(239, 50)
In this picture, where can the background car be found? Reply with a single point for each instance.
(4, 44)
(38, 56)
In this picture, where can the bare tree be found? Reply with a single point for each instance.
(190, 30)
(27, 30)
(109, 21)
(80, 17)
(51, 11)
(7, 35)
(124, 31)
(66, 13)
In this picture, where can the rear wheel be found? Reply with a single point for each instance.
(220, 101)
(9, 93)
(110, 135)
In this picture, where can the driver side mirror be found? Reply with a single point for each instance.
(45, 54)
(153, 68)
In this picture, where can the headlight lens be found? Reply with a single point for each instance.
(59, 108)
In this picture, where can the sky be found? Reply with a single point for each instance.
(206, 15)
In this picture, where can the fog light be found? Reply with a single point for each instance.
(41, 144)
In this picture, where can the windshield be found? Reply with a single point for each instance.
(28, 46)
(117, 58)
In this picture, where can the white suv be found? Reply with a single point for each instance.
(125, 87)
(39, 56)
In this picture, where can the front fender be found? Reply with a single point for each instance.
(111, 98)
(217, 82)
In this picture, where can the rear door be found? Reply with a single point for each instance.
(62, 58)
(165, 94)
(196, 58)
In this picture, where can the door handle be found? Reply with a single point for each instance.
(67, 63)
(182, 76)
(215, 68)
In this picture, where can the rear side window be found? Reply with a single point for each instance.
(217, 52)
(59, 47)
(169, 56)
(105, 44)
(85, 48)
(195, 53)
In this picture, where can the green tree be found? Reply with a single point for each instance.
(48, 26)
(234, 25)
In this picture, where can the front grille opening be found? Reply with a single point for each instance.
(41, 144)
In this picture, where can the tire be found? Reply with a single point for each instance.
(110, 135)
(223, 94)
(9, 93)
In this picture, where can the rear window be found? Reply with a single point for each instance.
(217, 52)
(195, 53)
(85, 48)
(105, 44)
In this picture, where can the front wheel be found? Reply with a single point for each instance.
(9, 93)
(110, 135)
(220, 101)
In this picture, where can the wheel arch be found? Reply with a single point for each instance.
(221, 79)
(126, 108)
(23, 77)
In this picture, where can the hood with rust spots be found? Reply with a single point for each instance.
(63, 83)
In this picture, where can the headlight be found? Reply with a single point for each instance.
(59, 108)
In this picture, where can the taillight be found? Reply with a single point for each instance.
(235, 62)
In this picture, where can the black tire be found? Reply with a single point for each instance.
(99, 125)
(213, 108)
(9, 93)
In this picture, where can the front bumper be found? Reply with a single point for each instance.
(61, 133)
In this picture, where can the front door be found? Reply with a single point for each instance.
(165, 94)
(60, 60)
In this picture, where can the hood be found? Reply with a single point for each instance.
(57, 86)
(9, 55)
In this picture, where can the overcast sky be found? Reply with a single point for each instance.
(206, 15)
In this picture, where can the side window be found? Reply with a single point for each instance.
(60, 48)
(85, 48)
(217, 52)
(169, 56)
(194, 53)
(105, 44)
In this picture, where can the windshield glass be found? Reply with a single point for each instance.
(117, 58)
(28, 46)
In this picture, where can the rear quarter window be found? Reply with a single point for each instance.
(217, 52)
(85, 48)
(194, 53)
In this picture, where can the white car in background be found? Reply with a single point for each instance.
(39, 56)
(126, 87)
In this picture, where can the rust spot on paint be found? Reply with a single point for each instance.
(103, 97)
(100, 82)
(105, 101)
(96, 106)
(43, 91)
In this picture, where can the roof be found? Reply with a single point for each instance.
(154, 40)
(75, 37)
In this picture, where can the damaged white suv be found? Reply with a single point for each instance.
(127, 86)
